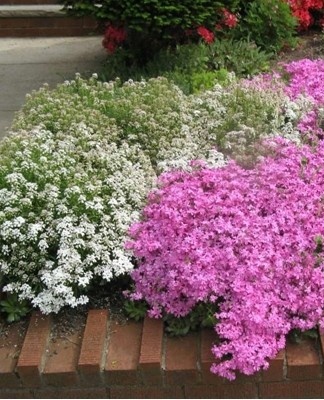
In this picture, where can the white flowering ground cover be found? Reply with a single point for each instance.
(76, 172)
(66, 202)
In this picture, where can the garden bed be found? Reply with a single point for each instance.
(105, 157)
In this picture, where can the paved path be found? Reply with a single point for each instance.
(25, 64)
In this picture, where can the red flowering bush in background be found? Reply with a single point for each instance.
(303, 10)
(229, 19)
(114, 36)
(207, 35)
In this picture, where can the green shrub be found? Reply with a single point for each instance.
(193, 67)
(270, 24)
(152, 24)
(144, 28)
(242, 57)
(185, 59)
(152, 16)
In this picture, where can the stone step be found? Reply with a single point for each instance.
(28, 2)
(42, 20)
(31, 10)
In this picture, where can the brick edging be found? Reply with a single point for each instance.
(136, 360)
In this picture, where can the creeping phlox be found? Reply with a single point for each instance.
(303, 82)
(66, 201)
(248, 239)
(306, 78)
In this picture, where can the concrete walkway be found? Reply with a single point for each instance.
(25, 64)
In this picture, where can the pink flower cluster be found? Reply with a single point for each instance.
(307, 78)
(250, 240)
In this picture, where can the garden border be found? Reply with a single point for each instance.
(111, 359)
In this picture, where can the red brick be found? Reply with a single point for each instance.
(10, 347)
(321, 341)
(146, 392)
(181, 360)
(208, 338)
(31, 356)
(91, 356)
(68, 22)
(58, 22)
(61, 360)
(241, 391)
(151, 351)
(303, 360)
(275, 372)
(94, 393)
(123, 353)
(291, 390)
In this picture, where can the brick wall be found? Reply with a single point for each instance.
(107, 359)
(48, 27)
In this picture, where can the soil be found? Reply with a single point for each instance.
(71, 320)
(109, 296)
(310, 45)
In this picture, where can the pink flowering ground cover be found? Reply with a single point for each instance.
(307, 78)
(248, 239)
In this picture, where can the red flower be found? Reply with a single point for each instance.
(113, 37)
(301, 10)
(207, 35)
(229, 19)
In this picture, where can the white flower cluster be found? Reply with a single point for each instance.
(66, 203)
(171, 128)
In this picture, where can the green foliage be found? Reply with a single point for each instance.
(152, 24)
(242, 56)
(269, 24)
(203, 315)
(183, 59)
(297, 336)
(193, 67)
(14, 308)
(152, 16)
(135, 309)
